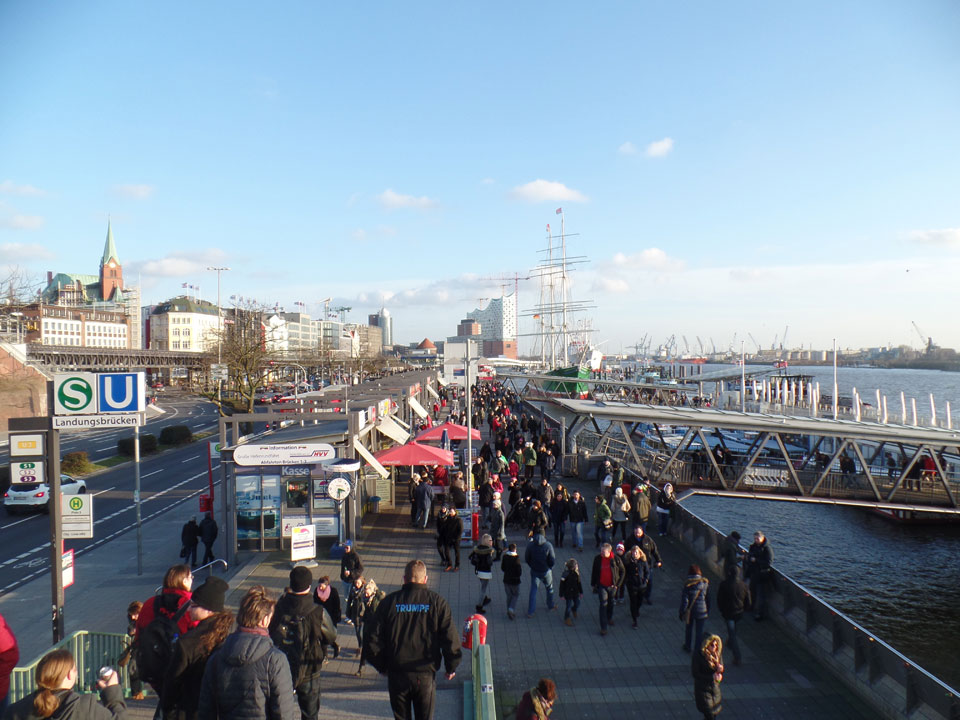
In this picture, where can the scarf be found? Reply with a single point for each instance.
(539, 707)
(324, 595)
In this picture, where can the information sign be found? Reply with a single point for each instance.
(77, 513)
(214, 449)
(218, 372)
(26, 445)
(293, 454)
(303, 543)
(66, 564)
(26, 472)
(291, 522)
(81, 422)
(327, 526)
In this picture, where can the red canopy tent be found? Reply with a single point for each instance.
(415, 454)
(454, 432)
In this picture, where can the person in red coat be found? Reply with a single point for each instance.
(9, 657)
(176, 591)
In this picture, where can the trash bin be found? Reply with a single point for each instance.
(375, 504)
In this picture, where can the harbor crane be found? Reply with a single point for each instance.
(924, 338)
(783, 340)
(686, 345)
(713, 346)
(759, 350)
(700, 343)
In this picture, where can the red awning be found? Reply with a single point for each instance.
(454, 432)
(415, 454)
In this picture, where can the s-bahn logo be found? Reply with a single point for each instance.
(98, 393)
(75, 393)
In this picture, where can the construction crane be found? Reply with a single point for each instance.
(759, 350)
(686, 345)
(924, 338)
(343, 312)
(326, 307)
(783, 340)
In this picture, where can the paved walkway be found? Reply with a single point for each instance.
(629, 673)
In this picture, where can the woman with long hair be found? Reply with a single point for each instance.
(56, 677)
(636, 579)
(707, 670)
(370, 599)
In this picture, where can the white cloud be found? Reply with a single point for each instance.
(648, 259)
(19, 252)
(751, 275)
(391, 200)
(22, 222)
(660, 148)
(651, 265)
(612, 285)
(135, 191)
(178, 264)
(628, 148)
(359, 235)
(946, 236)
(461, 292)
(11, 188)
(546, 190)
(487, 181)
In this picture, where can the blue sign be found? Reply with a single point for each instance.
(120, 392)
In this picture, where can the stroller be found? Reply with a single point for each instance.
(519, 514)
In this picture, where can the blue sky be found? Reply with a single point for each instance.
(727, 167)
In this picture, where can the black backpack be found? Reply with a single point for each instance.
(292, 636)
(156, 642)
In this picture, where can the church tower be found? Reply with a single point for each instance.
(111, 273)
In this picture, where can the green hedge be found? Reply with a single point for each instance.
(76, 463)
(148, 444)
(176, 435)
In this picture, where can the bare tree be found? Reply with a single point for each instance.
(243, 349)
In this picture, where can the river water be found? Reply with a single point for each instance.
(901, 582)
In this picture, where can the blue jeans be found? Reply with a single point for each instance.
(606, 595)
(578, 534)
(601, 534)
(573, 604)
(699, 635)
(513, 594)
(732, 637)
(308, 697)
(535, 580)
(663, 519)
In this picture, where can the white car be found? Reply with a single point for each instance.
(36, 496)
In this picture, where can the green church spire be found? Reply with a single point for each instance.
(109, 249)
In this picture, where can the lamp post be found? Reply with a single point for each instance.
(219, 270)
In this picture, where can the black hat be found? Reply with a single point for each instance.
(735, 535)
(210, 594)
(300, 579)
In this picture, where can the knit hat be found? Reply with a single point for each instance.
(210, 594)
(300, 579)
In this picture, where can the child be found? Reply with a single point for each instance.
(129, 655)
(512, 571)
(482, 560)
(571, 590)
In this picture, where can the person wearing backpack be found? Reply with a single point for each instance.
(247, 677)
(571, 590)
(351, 566)
(163, 618)
(181, 682)
(302, 630)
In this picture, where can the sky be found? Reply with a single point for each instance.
(723, 168)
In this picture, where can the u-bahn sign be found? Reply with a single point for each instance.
(98, 393)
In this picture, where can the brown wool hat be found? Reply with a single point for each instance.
(210, 594)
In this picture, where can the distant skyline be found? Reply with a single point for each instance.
(724, 169)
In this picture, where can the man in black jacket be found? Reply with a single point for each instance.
(189, 537)
(302, 630)
(449, 535)
(649, 548)
(733, 598)
(351, 567)
(414, 631)
(758, 569)
(208, 534)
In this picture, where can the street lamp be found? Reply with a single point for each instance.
(219, 270)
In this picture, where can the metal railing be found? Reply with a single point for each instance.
(90, 650)
(891, 683)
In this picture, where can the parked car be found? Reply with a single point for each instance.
(36, 496)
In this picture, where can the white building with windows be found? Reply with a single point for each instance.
(184, 324)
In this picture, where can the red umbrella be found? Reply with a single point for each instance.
(415, 454)
(454, 432)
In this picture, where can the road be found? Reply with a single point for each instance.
(167, 480)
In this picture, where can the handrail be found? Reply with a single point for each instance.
(202, 567)
(887, 680)
(484, 705)
(90, 650)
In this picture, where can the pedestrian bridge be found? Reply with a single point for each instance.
(896, 468)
